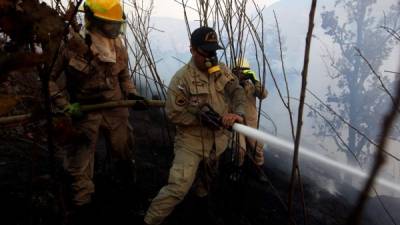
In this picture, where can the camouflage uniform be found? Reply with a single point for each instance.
(188, 90)
(93, 71)
(253, 91)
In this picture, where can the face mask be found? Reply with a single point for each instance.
(110, 29)
(211, 61)
(211, 58)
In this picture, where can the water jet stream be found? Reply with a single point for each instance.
(281, 144)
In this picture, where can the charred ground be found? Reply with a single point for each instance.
(31, 187)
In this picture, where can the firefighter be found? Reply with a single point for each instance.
(198, 88)
(94, 67)
(253, 89)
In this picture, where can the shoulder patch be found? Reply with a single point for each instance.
(180, 100)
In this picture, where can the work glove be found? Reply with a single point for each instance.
(250, 74)
(73, 110)
(141, 104)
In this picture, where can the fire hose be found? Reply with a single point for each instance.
(212, 120)
(280, 144)
(88, 108)
(272, 141)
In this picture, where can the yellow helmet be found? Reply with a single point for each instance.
(110, 10)
(242, 63)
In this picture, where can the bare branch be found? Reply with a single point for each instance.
(387, 71)
(395, 34)
(284, 76)
(304, 74)
(375, 73)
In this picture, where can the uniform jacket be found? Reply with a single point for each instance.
(93, 70)
(253, 91)
(189, 89)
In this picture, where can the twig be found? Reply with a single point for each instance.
(304, 74)
(284, 76)
(351, 126)
(375, 73)
(266, 116)
(387, 71)
(392, 32)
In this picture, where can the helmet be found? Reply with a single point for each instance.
(109, 10)
(105, 16)
(242, 63)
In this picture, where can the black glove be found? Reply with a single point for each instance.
(141, 102)
(209, 118)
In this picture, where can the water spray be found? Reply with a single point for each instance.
(281, 144)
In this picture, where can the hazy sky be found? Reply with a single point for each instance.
(170, 8)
